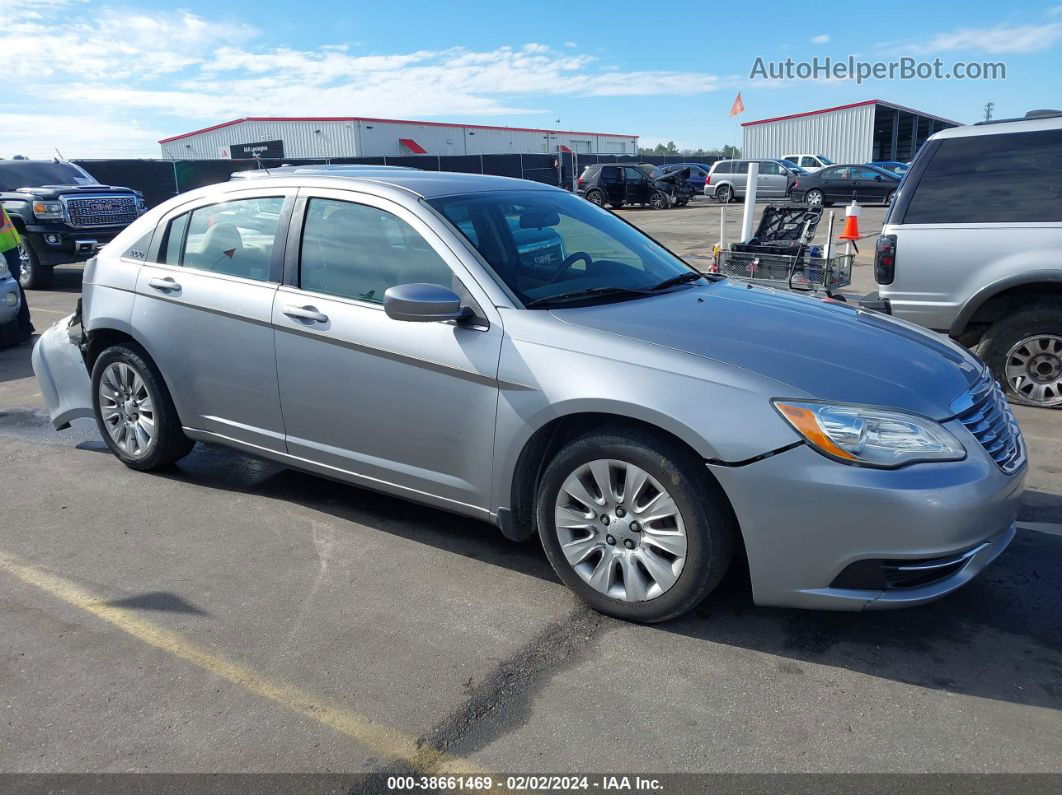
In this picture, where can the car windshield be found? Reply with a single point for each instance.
(550, 247)
(15, 174)
(825, 160)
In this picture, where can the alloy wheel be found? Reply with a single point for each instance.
(594, 197)
(1033, 370)
(25, 267)
(127, 409)
(620, 530)
(814, 198)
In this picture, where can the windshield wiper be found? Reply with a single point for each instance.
(682, 278)
(592, 292)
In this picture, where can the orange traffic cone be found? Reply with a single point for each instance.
(851, 222)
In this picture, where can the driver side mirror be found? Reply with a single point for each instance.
(423, 303)
(877, 177)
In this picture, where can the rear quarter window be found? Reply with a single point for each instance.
(1006, 178)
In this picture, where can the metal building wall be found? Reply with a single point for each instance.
(326, 139)
(844, 136)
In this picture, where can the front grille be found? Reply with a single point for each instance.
(101, 210)
(987, 415)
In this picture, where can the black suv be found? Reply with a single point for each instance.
(62, 214)
(619, 184)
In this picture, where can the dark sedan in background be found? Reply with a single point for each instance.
(865, 184)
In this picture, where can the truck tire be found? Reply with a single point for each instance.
(619, 547)
(32, 275)
(1024, 352)
(134, 411)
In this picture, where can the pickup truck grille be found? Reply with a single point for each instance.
(987, 415)
(101, 210)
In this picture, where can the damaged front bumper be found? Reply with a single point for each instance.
(61, 372)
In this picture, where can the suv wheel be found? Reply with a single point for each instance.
(596, 197)
(133, 410)
(31, 274)
(633, 524)
(724, 194)
(1024, 351)
(659, 200)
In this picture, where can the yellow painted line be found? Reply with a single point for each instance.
(381, 740)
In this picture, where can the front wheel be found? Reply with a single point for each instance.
(134, 411)
(659, 200)
(633, 524)
(1024, 352)
(32, 275)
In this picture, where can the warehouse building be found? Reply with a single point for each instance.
(858, 133)
(352, 136)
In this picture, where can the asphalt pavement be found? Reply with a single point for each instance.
(232, 615)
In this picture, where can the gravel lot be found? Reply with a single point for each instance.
(235, 616)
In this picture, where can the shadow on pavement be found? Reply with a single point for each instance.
(157, 600)
(998, 638)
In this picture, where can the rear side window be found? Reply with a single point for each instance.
(1007, 178)
(234, 238)
(171, 249)
(610, 174)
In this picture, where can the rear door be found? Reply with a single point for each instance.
(835, 183)
(202, 310)
(409, 406)
(872, 186)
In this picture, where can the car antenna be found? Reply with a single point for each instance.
(60, 154)
(258, 159)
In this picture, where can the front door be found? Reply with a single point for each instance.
(637, 185)
(871, 186)
(203, 312)
(612, 182)
(406, 406)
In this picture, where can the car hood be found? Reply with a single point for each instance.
(55, 191)
(825, 349)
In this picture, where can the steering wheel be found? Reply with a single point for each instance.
(570, 260)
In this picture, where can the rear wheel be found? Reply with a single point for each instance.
(724, 194)
(814, 198)
(133, 410)
(889, 199)
(31, 274)
(596, 197)
(633, 524)
(1024, 352)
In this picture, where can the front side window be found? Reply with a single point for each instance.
(355, 251)
(543, 244)
(1012, 177)
(234, 238)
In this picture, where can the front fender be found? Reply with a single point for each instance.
(61, 373)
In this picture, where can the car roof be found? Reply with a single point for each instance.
(427, 184)
(338, 169)
(1033, 124)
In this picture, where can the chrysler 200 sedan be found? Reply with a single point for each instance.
(650, 423)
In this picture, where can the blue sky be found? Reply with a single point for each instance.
(102, 79)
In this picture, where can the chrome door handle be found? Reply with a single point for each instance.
(306, 313)
(164, 284)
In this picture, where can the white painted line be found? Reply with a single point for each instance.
(1042, 527)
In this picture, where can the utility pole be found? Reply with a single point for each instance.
(988, 110)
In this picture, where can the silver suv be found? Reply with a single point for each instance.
(973, 248)
(389, 329)
(728, 179)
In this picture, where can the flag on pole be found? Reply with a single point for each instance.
(738, 106)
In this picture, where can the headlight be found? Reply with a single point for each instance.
(48, 210)
(870, 436)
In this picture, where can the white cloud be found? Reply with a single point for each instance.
(130, 73)
(995, 40)
(822, 38)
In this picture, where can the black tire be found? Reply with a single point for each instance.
(659, 200)
(1043, 318)
(889, 199)
(596, 197)
(820, 202)
(724, 194)
(710, 525)
(32, 275)
(168, 444)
